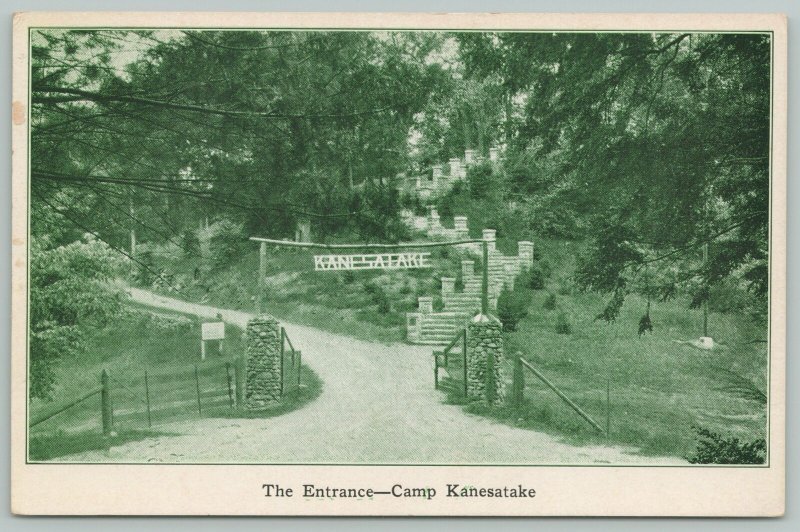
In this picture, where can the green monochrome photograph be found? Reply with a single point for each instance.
(391, 246)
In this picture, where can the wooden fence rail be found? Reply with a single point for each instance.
(518, 386)
(441, 358)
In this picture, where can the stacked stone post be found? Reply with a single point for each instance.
(436, 177)
(434, 224)
(494, 154)
(469, 156)
(485, 374)
(455, 168)
(448, 285)
(490, 236)
(467, 269)
(263, 364)
(460, 225)
(525, 253)
(425, 304)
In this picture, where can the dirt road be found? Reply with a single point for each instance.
(378, 405)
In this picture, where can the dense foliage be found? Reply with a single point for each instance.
(651, 148)
(712, 448)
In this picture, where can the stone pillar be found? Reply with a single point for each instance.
(494, 154)
(469, 156)
(455, 168)
(263, 364)
(460, 224)
(435, 223)
(467, 269)
(485, 372)
(448, 285)
(425, 304)
(525, 253)
(437, 171)
(418, 184)
(490, 236)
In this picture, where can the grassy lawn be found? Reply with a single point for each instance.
(167, 347)
(659, 387)
(49, 446)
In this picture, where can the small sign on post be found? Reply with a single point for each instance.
(214, 330)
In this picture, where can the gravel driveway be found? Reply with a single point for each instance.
(377, 405)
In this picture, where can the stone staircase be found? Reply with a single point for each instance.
(437, 328)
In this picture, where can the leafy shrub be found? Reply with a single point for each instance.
(563, 325)
(348, 277)
(480, 180)
(227, 242)
(713, 448)
(565, 289)
(371, 288)
(549, 302)
(190, 243)
(382, 300)
(512, 306)
(536, 277)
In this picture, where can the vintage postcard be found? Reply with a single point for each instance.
(407, 264)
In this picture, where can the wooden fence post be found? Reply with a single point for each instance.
(464, 355)
(436, 369)
(106, 407)
(239, 377)
(608, 407)
(147, 399)
(197, 387)
(299, 366)
(283, 337)
(491, 385)
(230, 386)
(518, 382)
(262, 277)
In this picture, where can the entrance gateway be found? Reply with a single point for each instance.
(391, 258)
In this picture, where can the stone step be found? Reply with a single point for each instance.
(459, 306)
(441, 327)
(460, 295)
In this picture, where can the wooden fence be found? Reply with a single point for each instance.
(518, 391)
(455, 364)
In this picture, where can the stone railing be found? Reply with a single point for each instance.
(439, 182)
(429, 327)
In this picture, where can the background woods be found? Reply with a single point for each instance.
(647, 153)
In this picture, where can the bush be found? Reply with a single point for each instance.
(511, 308)
(348, 277)
(384, 305)
(371, 288)
(713, 448)
(190, 243)
(549, 302)
(536, 277)
(227, 242)
(480, 180)
(562, 324)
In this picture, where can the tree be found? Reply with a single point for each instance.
(662, 143)
(70, 292)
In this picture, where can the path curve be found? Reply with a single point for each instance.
(377, 405)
